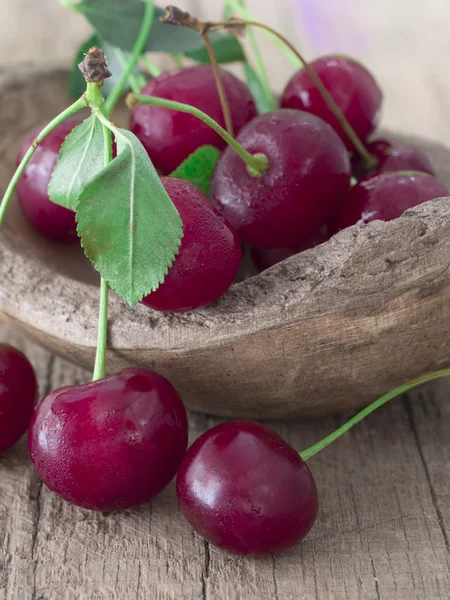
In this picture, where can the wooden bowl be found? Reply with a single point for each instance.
(328, 330)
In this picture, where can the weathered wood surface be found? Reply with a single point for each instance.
(382, 534)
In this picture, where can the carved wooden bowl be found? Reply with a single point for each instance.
(324, 331)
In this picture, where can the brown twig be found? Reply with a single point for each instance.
(95, 66)
(175, 16)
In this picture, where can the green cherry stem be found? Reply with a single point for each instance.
(150, 66)
(138, 50)
(369, 160)
(240, 10)
(262, 72)
(137, 78)
(310, 452)
(257, 164)
(96, 102)
(75, 107)
(102, 338)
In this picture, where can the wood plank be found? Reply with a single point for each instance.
(382, 531)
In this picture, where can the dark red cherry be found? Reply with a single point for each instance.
(307, 179)
(264, 258)
(18, 394)
(393, 156)
(110, 444)
(387, 196)
(55, 222)
(170, 136)
(351, 86)
(209, 257)
(244, 489)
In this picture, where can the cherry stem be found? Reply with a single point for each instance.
(137, 78)
(310, 452)
(102, 338)
(219, 84)
(257, 164)
(244, 13)
(138, 50)
(75, 107)
(369, 160)
(150, 66)
(263, 78)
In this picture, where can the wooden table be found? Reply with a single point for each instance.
(383, 531)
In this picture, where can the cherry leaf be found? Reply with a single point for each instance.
(80, 159)
(128, 225)
(118, 22)
(198, 168)
(226, 48)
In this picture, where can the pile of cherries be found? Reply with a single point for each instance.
(117, 442)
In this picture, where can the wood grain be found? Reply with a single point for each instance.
(382, 533)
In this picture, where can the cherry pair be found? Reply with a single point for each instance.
(117, 442)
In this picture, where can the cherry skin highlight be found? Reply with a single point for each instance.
(351, 86)
(245, 490)
(387, 196)
(55, 222)
(393, 156)
(307, 180)
(112, 443)
(209, 257)
(264, 258)
(170, 136)
(18, 394)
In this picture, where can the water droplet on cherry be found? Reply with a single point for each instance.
(170, 136)
(244, 489)
(110, 444)
(209, 257)
(55, 222)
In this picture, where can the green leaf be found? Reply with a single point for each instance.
(257, 89)
(118, 22)
(77, 84)
(80, 159)
(226, 48)
(198, 168)
(129, 227)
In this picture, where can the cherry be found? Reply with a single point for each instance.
(171, 136)
(209, 257)
(112, 443)
(244, 489)
(394, 156)
(351, 86)
(264, 258)
(18, 394)
(307, 179)
(387, 196)
(55, 222)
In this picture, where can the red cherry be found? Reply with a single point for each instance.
(351, 86)
(387, 196)
(264, 258)
(394, 156)
(18, 393)
(308, 178)
(244, 489)
(170, 136)
(110, 444)
(209, 258)
(55, 222)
